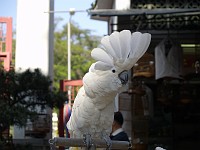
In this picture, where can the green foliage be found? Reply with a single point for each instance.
(23, 94)
(82, 42)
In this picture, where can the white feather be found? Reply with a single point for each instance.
(100, 55)
(125, 40)
(139, 44)
(105, 41)
(115, 43)
(102, 66)
(135, 41)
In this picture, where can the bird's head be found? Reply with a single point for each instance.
(100, 81)
(119, 52)
(116, 55)
(101, 69)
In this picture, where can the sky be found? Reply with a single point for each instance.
(8, 8)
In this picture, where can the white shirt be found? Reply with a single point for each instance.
(170, 65)
(117, 131)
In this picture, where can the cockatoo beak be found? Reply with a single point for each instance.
(123, 76)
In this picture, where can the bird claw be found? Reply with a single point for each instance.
(87, 140)
(108, 142)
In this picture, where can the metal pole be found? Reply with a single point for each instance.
(69, 58)
(96, 143)
(71, 12)
(69, 47)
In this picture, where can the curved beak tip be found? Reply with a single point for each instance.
(123, 76)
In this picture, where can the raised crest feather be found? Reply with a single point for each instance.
(120, 48)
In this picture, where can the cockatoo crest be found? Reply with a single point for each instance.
(120, 50)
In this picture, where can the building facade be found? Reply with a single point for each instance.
(162, 105)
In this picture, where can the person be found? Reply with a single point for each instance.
(118, 134)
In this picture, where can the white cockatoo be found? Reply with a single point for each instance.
(93, 108)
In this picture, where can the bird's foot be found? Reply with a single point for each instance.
(108, 141)
(87, 140)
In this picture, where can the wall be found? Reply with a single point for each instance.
(34, 40)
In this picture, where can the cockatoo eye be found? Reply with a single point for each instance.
(113, 70)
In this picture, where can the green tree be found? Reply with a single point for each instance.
(82, 42)
(21, 93)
